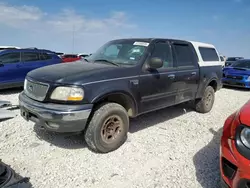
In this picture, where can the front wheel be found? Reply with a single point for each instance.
(205, 104)
(108, 128)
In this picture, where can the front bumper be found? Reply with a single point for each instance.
(236, 83)
(234, 167)
(55, 117)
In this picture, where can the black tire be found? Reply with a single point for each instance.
(103, 124)
(10, 179)
(205, 104)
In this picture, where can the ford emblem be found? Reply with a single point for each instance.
(30, 88)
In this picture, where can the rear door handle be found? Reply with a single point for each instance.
(171, 76)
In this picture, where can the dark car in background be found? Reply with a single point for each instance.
(237, 74)
(232, 60)
(16, 63)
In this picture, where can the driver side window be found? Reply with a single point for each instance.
(162, 50)
(112, 51)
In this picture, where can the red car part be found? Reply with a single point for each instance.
(70, 58)
(234, 154)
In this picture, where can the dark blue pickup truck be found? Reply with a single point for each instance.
(124, 78)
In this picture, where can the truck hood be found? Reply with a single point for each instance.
(236, 71)
(72, 73)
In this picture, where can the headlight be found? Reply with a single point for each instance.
(248, 78)
(67, 94)
(245, 137)
(25, 84)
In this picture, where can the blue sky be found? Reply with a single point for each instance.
(50, 24)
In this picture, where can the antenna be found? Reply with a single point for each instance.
(73, 40)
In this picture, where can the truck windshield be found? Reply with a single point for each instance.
(122, 52)
(242, 64)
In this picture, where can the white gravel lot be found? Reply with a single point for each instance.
(174, 147)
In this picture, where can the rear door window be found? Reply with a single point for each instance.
(10, 58)
(30, 56)
(184, 55)
(45, 56)
(208, 54)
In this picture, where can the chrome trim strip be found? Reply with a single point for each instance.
(128, 77)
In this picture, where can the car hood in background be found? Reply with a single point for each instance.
(236, 71)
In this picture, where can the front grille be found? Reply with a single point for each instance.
(35, 90)
(235, 77)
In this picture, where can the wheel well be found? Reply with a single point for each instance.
(213, 84)
(124, 100)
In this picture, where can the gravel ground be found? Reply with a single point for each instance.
(174, 147)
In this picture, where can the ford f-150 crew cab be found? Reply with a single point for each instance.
(124, 78)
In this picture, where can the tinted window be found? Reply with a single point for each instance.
(208, 54)
(10, 58)
(234, 58)
(124, 52)
(242, 64)
(163, 51)
(184, 55)
(30, 56)
(45, 56)
(70, 56)
(84, 55)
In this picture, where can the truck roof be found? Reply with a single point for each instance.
(195, 43)
(201, 44)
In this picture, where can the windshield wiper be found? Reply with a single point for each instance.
(86, 59)
(107, 61)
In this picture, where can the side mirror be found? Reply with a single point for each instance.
(1, 64)
(155, 63)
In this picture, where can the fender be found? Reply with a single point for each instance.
(109, 91)
(204, 82)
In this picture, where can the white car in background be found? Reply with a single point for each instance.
(83, 55)
(223, 60)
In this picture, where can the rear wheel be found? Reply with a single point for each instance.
(108, 128)
(205, 104)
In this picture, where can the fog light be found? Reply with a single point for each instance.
(52, 125)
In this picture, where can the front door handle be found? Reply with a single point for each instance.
(193, 73)
(171, 76)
